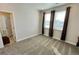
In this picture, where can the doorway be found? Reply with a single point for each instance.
(7, 28)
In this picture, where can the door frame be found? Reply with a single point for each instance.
(12, 22)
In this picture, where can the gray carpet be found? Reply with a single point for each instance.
(39, 45)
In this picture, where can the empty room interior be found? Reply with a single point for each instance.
(39, 29)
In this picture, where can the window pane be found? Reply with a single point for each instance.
(59, 20)
(47, 20)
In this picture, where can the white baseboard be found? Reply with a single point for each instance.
(70, 42)
(46, 35)
(66, 41)
(27, 37)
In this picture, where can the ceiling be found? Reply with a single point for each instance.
(41, 6)
(38, 6)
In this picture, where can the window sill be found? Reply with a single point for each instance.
(57, 29)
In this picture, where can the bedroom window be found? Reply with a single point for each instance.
(47, 20)
(59, 20)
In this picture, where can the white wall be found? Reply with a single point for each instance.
(26, 19)
(1, 43)
(73, 26)
(27, 22)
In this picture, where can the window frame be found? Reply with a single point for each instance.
(45, 20)
(63, 19)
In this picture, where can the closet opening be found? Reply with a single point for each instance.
(7, 28)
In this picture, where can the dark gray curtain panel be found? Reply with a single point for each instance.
(64, 31)
(51, 24)
(43, 22)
